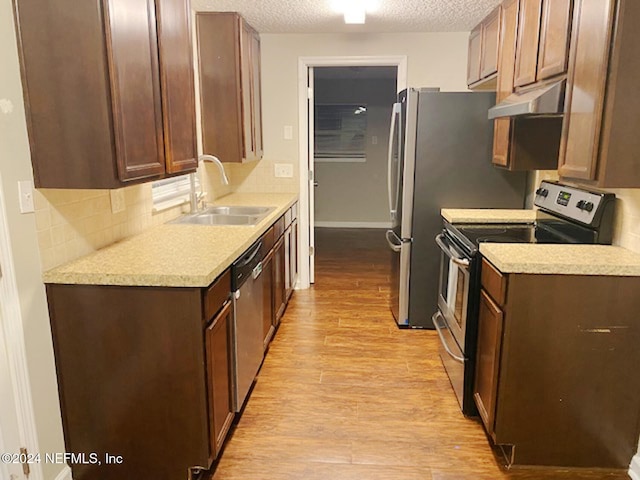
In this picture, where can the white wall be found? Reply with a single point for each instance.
(15, 164)
(434, 60)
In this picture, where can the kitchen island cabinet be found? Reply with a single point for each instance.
(108, 91)
(554, 382)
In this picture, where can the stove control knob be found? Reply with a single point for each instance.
(543, 192)
(588, 206)
(580, 204)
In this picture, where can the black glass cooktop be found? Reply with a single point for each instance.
(541, 232)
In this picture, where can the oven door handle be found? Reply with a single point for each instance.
(439, 329)
(461, 262)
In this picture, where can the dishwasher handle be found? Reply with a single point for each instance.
(250, 255)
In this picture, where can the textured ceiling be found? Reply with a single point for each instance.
(318, 16)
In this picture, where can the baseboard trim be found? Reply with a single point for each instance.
(352, 225)
(634, 468)
(65, 474)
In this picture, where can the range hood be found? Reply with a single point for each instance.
(545, 100)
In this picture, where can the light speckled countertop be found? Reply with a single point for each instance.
(173, 255)
(556, 259)
(482, 215)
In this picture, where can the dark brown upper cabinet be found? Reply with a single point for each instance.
(555, 33)
(108, 90)
(600, 141)
(529, 19)
(524, 144)
(230, 93)
(543, 40)
(475, 55)
(484, 47)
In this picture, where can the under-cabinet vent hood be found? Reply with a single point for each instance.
(545, 100)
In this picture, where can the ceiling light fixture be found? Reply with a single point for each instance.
(354, 11)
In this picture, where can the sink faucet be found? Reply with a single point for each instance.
(212, 159)
(195, 197)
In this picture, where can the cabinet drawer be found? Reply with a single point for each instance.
(268, 239)
(216, 294)
(278, 228)
(287, 218)
(493, 282)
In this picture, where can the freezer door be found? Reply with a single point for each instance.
(399, 289)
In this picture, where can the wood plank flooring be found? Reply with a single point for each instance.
(344, 394)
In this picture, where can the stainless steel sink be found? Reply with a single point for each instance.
(236, 210)
(236, 215)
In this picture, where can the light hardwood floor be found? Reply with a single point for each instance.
(344, 394)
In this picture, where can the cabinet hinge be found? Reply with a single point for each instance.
(24, 455)
(309, 93)
(312, 251)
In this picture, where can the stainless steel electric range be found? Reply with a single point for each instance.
(566, 215)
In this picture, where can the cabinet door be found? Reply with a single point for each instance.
(132, 52)
(178, 94)
(502, 126)
(218, 340)
(475, 54)
(279, 288)
(256, 94)
(586, 84)
(490, 43)
(293, 255)
(220, 90)
(246, 35)
(554, 38)
(528, 40)
(490, 324)
(267, 317)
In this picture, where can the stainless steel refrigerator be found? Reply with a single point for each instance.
(440, 151)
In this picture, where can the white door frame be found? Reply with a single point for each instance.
(304, 63)
(16, 351)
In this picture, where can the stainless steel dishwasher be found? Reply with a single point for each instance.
(248, 286)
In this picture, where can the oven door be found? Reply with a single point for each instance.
(453, 290)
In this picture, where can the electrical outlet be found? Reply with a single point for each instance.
(288, 132)
(374, 140)
(25, 191)
(284, 170)
(118, 203)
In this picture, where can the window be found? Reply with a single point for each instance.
(340, 132)
(171, 192)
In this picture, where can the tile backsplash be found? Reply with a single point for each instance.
(626, 229)
(74, 223)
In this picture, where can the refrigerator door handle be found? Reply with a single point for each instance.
(397, 109)
(391, 236)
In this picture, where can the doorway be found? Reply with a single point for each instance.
(353, 156)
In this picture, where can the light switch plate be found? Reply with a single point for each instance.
(284, 170)
(117, 200)
(288, 132)
(374, 140)
(25, 191)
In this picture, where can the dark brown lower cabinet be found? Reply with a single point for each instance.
(490, 321)
(279, 285)
(556, 380)
(268, 313)
(219, 378)
(140, 375)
